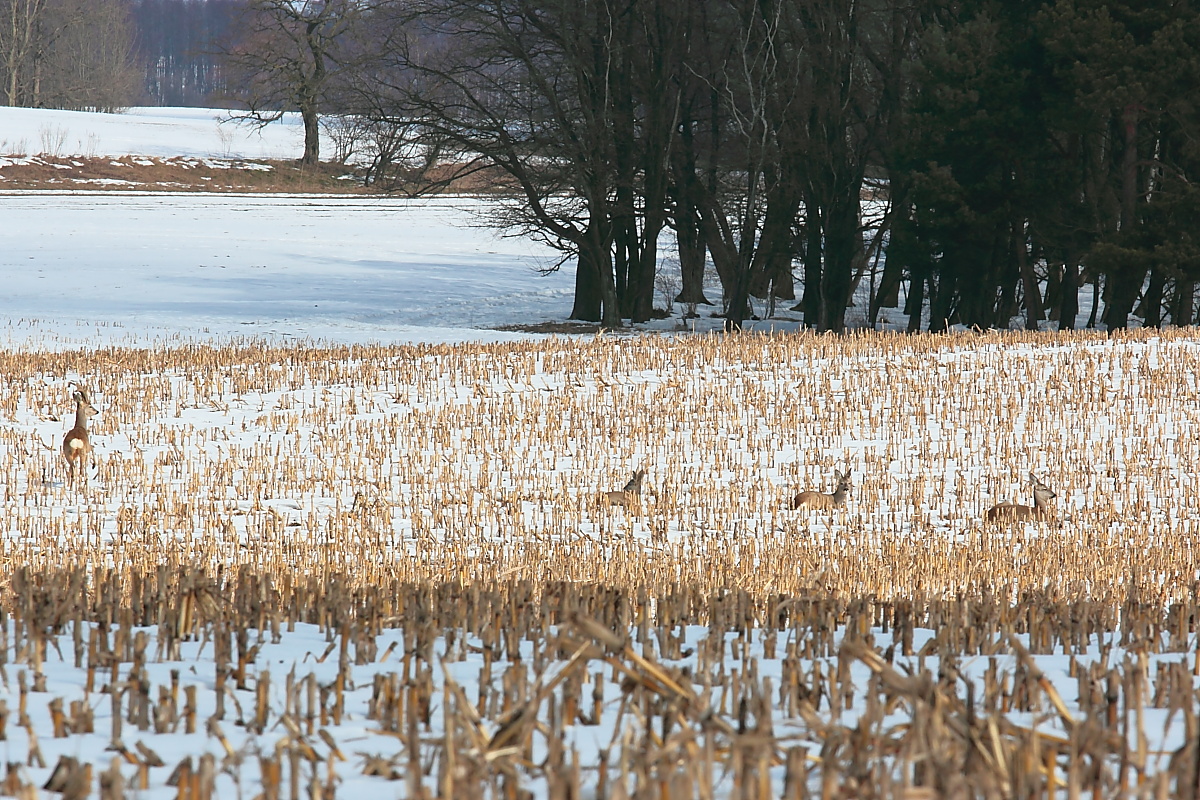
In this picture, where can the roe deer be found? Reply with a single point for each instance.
(628, 496)
(76, 444)
(825, 502)
(1043, 506)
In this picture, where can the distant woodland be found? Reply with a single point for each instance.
(971, 163)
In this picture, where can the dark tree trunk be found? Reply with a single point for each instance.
(777, 247)
(813, 252)
(915, 303)
(1069, 303)
(1182, 302)
(1154, 299)
(1123, 285)
(625, 249)
(588, 291)
(887, 294)
(1052, 300)
(647, 269)
(739, 302)
(1091, 323)
(691, 256)
(601, 246)
(1029, 284)
(1010, 276)
(1125, 281)
(718, 237)
(688, 230)
(312, 134)
(843, 245)
(941, 299)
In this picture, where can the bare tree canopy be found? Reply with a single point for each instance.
(74, 54)
(287, 56)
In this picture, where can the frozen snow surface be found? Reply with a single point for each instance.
(157, 132)
(91, 268)
(80, 268)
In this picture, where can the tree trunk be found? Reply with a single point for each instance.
(625, 249)
(739, 301)
(647, 269)
(1029, 284)
(610, 314)
(1091, 323)
(772, 270)
(1182, 302)
(716, 233)
(1069, 303)
(811, 300)
(588, 293)
(941, 299)
(887, 294)
(312, 134)
(915, 303)
(1154, 298)
(1124, 285)
(843, 244)
(691, 256)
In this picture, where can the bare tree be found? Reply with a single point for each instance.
(19, 26)
(88, 62)
(553, 93)
(736, 173)
(74, 54)
(287, 58)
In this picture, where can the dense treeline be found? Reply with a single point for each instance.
(968, 162)
(76, 54)
(108, 54)
(1022, 154)
(177, 45)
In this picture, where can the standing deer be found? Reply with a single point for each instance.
(630, 495)
(1043, 506)
(77, 447)
(825, 502)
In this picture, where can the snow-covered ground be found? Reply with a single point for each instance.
(158, 132)
(930, 438)
(82, 268)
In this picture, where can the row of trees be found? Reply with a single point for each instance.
(67, 54)
(109, 54)
(178, 48)
(1017, 154)
(1022, 151)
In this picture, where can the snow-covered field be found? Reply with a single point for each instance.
(288, 449)
(90, 268)
(158, 132)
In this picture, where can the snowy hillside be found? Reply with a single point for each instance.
(161, 132)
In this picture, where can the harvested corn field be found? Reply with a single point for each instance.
(401, 570)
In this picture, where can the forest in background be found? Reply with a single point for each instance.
(1021, 153)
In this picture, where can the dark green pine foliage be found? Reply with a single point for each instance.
(1049, 145)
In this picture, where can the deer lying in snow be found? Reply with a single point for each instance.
(1042, 508)
(628, 496)
(819, 501)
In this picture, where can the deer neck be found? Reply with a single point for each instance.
(80, 417)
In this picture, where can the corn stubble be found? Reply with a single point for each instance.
(451, 493)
